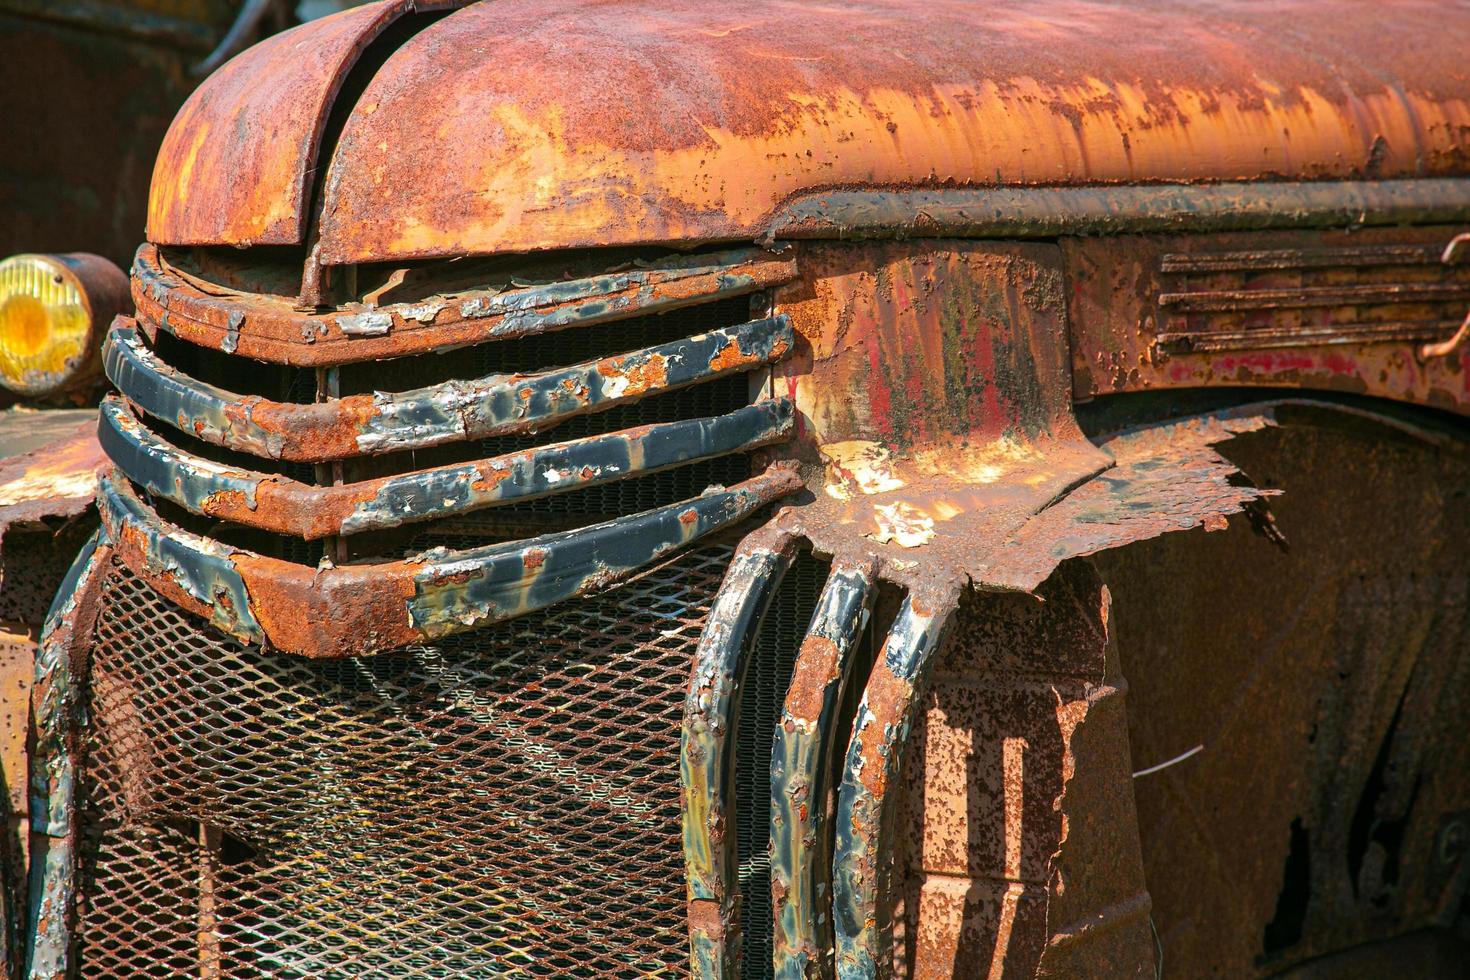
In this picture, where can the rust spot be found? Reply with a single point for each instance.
(816, 670)
(705, 918)
(886, 696)
(637, 378)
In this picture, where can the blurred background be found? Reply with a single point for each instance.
(87, 90)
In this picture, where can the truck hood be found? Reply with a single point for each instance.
(515, 125)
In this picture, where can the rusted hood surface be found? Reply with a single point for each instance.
(517, 125)
(236, 165)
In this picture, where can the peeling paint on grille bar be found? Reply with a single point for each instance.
(263, 328)
(453, 411)
(864, 833)
(58, 718)
(707, 749)
(284, 506)
(359, 610)
(801, 765)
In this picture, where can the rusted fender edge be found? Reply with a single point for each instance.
(57, 703)
(707, 748)
(801, 767)
(863, 855)
(450, 412)
(1046, 212)
(268, 329)
(284, 506)
(359, 610)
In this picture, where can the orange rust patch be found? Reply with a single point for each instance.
(533, 558)
(816, 671)
(886, 697)
(704, 917)
(641, 378)
(225, 504)
(730, 357)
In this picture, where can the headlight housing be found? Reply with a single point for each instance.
(53, 310)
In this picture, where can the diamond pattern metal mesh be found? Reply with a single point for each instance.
(505, 803)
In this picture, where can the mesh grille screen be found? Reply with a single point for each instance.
(506, 803)
(774, 657)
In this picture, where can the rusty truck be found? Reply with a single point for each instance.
(789, 489)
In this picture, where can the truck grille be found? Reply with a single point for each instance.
(504, 802)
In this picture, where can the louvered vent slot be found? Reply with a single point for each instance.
(1274, 298)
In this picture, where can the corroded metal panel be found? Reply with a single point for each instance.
(1018, 852)
(1338, 311)
(711, 131)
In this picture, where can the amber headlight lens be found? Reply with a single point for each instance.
(53, 309)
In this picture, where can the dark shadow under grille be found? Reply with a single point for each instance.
(506, 802)
(773, 658)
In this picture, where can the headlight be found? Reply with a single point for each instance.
(53, 309)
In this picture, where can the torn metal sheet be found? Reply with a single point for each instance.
(450, 412)
(707, 750)
(284, 506)
(802, 766)
(53, 472)
(359, 610)
(269, 328)
(58, 706)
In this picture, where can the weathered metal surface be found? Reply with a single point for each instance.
(1017, 851)
(1326, 688)
(451, 412)
(1049, 212)
(1336, 311)
(284, 506)
(237, 164)
(802, 764)
(704, 143)
(865, 822)
(17, 668)
(933, 387)
(57, 706)
(359, 610)
(707, 747)
(936, 395)
(267, 328)
(53, 472)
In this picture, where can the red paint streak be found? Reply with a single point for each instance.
(880, 399)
